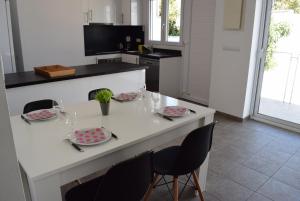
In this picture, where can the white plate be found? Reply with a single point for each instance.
(106, 133)
(45, 119)
(161, 111)
(135, 94)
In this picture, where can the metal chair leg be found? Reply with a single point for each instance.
(198, 186)
(185, 184)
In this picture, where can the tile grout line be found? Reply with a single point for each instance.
(284, 182)
(228, 178)
(253, 191)
(270, 133)
(272, 176)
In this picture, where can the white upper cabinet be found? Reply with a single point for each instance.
(125, 5)
(103, 11)
(136, 12)
(131, 12)
(85, 11)
(124, 12)
(100, 11)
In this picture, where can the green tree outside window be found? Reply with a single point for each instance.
(279, 30)
(173, 14)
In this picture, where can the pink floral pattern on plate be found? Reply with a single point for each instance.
(174, 111)
(40, 115)
(90, 136)
(127, 96)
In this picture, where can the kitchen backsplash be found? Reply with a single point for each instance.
(103, 39)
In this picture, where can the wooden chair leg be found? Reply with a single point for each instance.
(157, 181)
(196, 181)
(175, 188)
(150, 189)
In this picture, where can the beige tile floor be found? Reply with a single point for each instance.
(249, 161)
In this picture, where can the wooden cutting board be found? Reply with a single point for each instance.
(55, 71)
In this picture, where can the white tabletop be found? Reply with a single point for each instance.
(41, 148)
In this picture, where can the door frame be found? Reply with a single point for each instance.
(7, 61)
(259, 72)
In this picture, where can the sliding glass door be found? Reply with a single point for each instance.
(278, 90)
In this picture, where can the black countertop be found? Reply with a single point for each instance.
(157, 53)
(14, 80)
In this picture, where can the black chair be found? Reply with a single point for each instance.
(38, 105)
(129, 180)
(93, 93)
(182, 160)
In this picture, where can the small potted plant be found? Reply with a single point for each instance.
(104, 96)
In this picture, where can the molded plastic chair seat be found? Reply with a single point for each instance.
(126, 181)
(165, 160)
(39, 105)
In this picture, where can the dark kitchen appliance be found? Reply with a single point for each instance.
(152, 73)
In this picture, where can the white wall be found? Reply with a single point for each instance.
(200, 53)
(10, 180)
(51, 32)
(233, 62)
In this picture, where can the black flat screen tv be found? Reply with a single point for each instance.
(104, 39)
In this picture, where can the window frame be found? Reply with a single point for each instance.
(164, 25)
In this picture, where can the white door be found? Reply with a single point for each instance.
(6, 45)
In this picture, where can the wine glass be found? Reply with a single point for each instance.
(155, 97)
(143, 91)
(58, 105)
(71, 122)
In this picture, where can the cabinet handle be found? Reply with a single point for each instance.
(136, 60)
(86, 17)
(122, 18)
(91, 15)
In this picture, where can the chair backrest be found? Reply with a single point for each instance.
(38, 105)
(93, 93)
(129, 180)
(194, 149)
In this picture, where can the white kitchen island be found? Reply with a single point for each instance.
(26, 87)
(48, 162)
